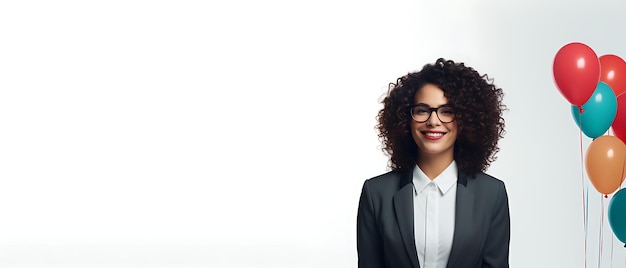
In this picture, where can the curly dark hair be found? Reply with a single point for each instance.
(478, 105)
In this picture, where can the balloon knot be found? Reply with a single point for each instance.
(580, 109)
(606, 196)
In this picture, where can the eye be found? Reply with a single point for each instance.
(421, 110)
(446, 110)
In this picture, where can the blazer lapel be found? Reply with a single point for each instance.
(403, 206)
(463, 219)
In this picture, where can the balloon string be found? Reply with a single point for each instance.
(621, 185)
(584, 188)
(601, 231)
(612, 242)
(586, 218)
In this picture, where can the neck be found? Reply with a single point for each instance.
(432, 165)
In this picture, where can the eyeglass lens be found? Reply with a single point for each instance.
(421, 113)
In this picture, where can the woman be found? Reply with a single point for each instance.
(437, 208)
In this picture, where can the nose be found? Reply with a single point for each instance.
(433, 120)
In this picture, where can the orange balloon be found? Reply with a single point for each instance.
(605, 163)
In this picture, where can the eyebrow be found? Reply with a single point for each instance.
(424, 104)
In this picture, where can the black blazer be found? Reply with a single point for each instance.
(385, 234)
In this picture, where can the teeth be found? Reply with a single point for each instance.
(433, 134)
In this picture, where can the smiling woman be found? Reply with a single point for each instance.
(437, 208)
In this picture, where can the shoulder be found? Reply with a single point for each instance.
(487, 186)
(389, 182)
(486, 180)
(386, 178)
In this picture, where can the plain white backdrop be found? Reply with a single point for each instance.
(239, 133)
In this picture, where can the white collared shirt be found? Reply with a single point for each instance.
(434, 205)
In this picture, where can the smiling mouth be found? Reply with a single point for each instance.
(433, 135)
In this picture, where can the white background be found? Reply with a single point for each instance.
(239, 133)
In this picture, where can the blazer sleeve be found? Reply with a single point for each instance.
(369, 242)
(498, 238)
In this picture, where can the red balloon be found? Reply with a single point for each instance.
(619, 123)
(613, 72)
(576, 72)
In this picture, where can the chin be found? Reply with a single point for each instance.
(434, 150)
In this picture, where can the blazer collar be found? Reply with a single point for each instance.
(403, 206)
(464, 214)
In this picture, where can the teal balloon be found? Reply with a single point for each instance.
(617, 214)
(598, 112)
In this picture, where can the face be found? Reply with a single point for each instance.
(433, 138)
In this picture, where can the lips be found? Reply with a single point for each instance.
(433, 135)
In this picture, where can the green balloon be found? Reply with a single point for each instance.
(598, 112)
(617, 214)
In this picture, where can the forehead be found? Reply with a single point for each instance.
(430, 94)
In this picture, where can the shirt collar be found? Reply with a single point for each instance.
(444, 181)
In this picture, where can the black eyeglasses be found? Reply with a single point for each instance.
(421, 113)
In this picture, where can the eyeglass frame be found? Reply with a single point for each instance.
(436, 110)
